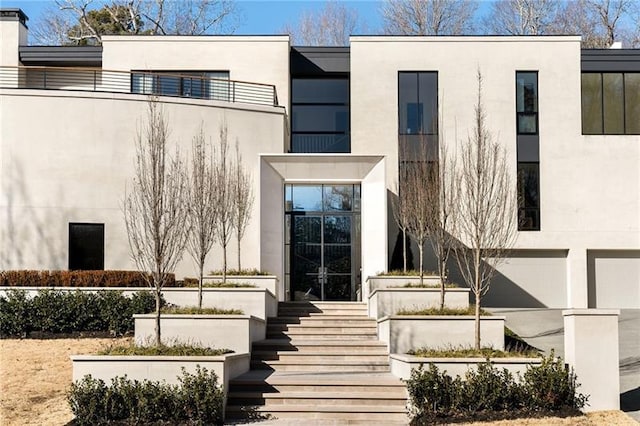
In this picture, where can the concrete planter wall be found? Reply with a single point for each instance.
(259, 302)
(235, 332)
(378, 282)
(167, 368)
(388, 301)
(268, 282)
(404, 333)
(401, 364)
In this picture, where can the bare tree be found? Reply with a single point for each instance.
(223, 171)
(155, 211)
(330, 26)
(83, 22)
(609, 15)
(242, 200)
(486, 214)
(522, 17)
(202, 201)
(400, 214)
(442, 195)
(415, 168)
(428, 17)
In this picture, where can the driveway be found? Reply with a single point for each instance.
(544, 329)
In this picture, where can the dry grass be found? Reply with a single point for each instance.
(35, 374)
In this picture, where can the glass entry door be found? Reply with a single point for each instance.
(323, 244)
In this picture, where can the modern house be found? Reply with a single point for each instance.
(319, 128)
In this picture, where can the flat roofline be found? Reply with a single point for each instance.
(190, 38)
(463, 38)
(13, 14)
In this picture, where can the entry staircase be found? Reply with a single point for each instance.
(321, 363)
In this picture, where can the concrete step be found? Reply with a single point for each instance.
(301, 345)
(320, 366)
(326, 328)
(316, 398)
(296, 312)
(372, 414)
(321, 319)
(295, 357)
(316, 304)
(320, 335)
(320, 350)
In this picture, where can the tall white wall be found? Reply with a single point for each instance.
(68, 156)
(589, 185)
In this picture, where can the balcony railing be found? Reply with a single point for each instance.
(140, 82)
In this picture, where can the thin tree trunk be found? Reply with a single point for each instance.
(404, 250)
(442, 287)
(224, 263)
(239, 267)
(477, 322)
(200, 283)
(421, 247)
(157, 327)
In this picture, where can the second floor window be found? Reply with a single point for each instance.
(418, 103)
(610, 103)
(191, 84)
(527, 102)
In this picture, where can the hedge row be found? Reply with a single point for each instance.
(196, 400)
(57, 311)
(490, 393)
(76, 279)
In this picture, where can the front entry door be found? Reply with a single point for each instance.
(323, 251)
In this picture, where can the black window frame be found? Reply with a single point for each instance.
(182, 77)
(625, 131)
(346, 105)
(72, 259)
(522, 197)
(535, 113)
(436, 119)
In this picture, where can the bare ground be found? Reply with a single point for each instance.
(35, 375)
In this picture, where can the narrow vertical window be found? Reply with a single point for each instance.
(632, 103)
(529, 196)
(613, 96)
(527, 102)
(86, 246)
(591, 103)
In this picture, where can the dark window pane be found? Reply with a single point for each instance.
(320, 118)
(528, 196)
(337, 258)
(338, 197)
(86, 246)
(632, 102)
(527, 123)
(591, 103)
(320, 91)
(527, 92)
(337, 229)
(428, 96)
(338, 287)
(310, 142)
(409, 116)
(307, 230)
(613, 103)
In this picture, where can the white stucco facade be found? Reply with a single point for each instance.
(67, 155)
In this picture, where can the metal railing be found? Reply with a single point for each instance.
(137, 82)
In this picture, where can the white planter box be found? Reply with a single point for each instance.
(269, 282)
(404, 333)
(158, 368)
(259, 302)
(401, 364)
(388, 301)
(235, 332)
(378, 282)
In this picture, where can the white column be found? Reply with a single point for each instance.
(591, 348)
(577, 290)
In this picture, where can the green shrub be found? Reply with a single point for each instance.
(251, 272)
(471, 310)
(197, 399)
(489, 392)
(463, 352)
(194, 310)
(408, 273)
(175, 349)
(26, 278)
(58, 311)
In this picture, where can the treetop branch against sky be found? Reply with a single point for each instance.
(316, 22)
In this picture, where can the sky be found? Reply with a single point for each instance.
(258, 17)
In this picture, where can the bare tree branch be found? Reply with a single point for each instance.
(224, 176)
(428, 17)
(242, 200)
(522, 17)
(155, 211)
(330, 26)
(486, 217)
(202, 201)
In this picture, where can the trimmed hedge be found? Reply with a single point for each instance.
(489, 393)
(26, 278)
(58, 311)
(196, 400)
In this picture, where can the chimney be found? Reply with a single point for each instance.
(13, 34)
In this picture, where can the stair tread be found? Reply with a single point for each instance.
(325, 342)
(380, 408)
(315, 395)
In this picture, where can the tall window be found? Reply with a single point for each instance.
(528, 143)
(86, 246)
(527, 102)
(320, 115)
(418, 103)
(194, 84)
(610, 103)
